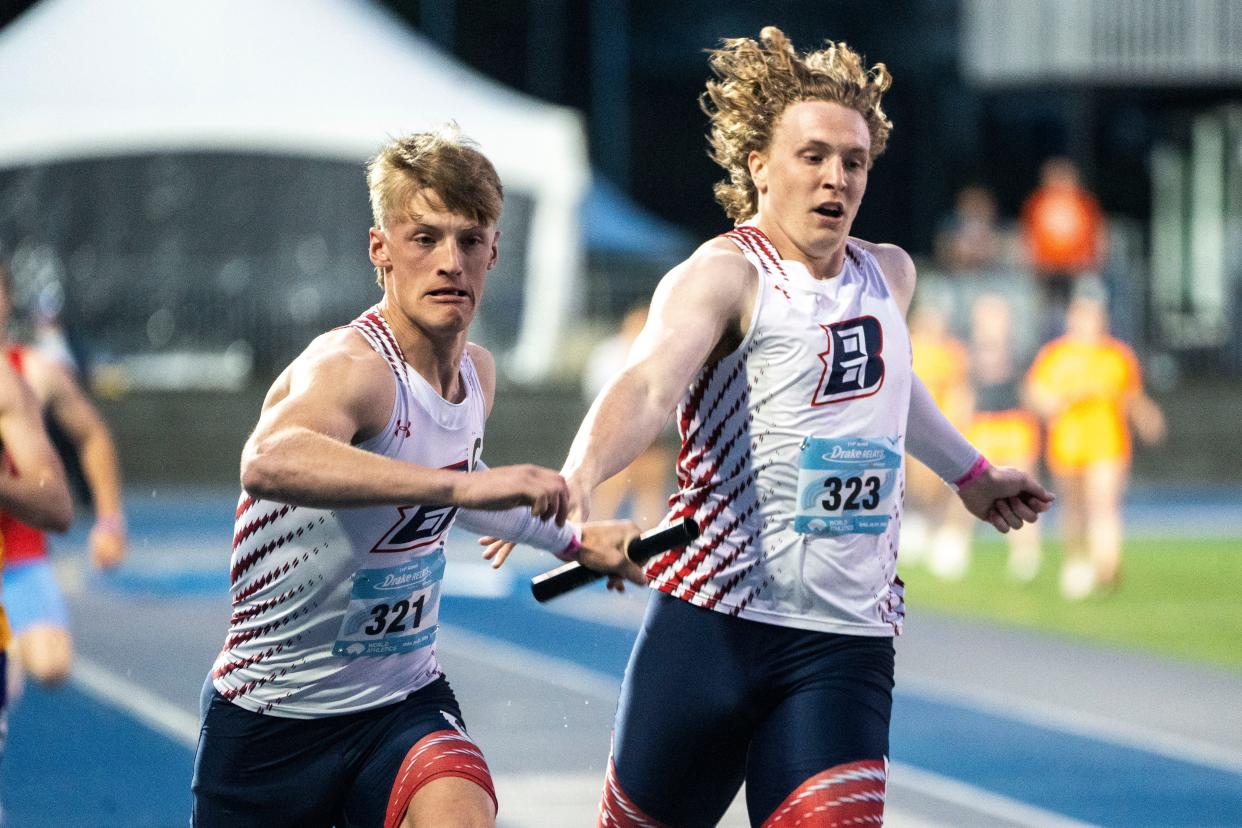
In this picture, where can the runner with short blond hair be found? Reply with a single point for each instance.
(327, 703)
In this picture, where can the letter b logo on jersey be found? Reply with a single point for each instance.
(422, 525)
(853, 366)
(417, 526)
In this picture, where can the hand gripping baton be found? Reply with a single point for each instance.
(572, 575)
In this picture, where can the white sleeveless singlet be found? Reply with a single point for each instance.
(792, 451)
(335, 611)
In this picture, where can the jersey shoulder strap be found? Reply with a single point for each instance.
(375, 330)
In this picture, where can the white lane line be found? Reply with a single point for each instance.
(1099, 728)
(164, 717)
(976, 799)
(570, 800)
(1077, 723)
(557, 671)
(182, 727)
(475, 579)
(569, 676)
(134, 699)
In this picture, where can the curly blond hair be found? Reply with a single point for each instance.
(756, 81)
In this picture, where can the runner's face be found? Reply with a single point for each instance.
(812, 178)
(435, 265)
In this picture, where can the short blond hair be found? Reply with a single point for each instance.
(756, 81)
(444, 162)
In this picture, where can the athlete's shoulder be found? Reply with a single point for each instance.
(12, 387)
(485, 369)
(343, 346)
(896, 265)
(720, 252)
(35, 368)
(340, 360)
(338, 371)
(15, 354)
(51, 379)
(893, 260)
(717, 264)
(716, 280)
(482, 358)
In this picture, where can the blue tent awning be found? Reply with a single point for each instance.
(613, 223)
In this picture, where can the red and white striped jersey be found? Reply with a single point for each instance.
(791, 455)
(335, 611)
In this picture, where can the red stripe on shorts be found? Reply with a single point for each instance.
(616, 810)
(441, 753)
(850, 794)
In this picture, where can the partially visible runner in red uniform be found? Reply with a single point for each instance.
(32, 484)
(42, 646)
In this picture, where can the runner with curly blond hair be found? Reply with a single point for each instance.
(759, 81)
(766, 655)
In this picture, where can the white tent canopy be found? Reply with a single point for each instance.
(323, 78)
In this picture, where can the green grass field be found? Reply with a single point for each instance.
(1177, 598)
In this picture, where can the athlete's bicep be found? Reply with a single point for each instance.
(344, 396)
(693, 310)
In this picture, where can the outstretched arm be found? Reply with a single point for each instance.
(33, 488)
(599, 545)
(339, 393)
(694, 309)
(1005, 497)
(77, 417)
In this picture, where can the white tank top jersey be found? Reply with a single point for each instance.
(335, 611)
(791, 456)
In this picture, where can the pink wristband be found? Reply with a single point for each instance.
(570, 552)
(972, 474)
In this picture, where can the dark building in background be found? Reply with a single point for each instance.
(950, 129)
(984, 92)
(636, 68)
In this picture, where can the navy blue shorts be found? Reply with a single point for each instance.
(357, 769)
(709, 701)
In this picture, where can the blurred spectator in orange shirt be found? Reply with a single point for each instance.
(1087, 386)
(1065, 236)
(970, 240)
(1001, 428)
